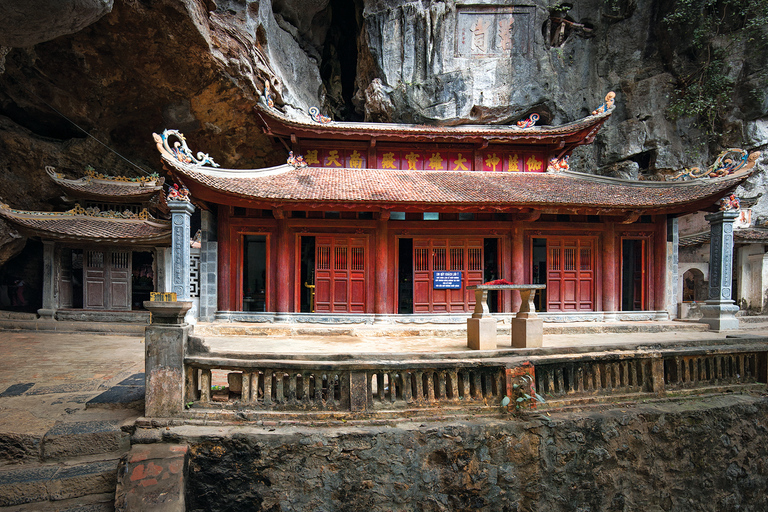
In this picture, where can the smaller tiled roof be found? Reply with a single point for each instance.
(278, 123)
(743, 236)
(91, 228)
(109, 188)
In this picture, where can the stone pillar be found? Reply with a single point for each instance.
(208, 266)
(481, 327)
(660, 271)
(164, 342)
(48, 310)
(719, 310)
(527, 327)
(181, 212)
(673, 262)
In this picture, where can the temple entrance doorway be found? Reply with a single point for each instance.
(254, 272)
(336, 267)
(633, 277)
(567, 266)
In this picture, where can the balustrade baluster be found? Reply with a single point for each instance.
(633, 375)
(560, 381)
(478, 394)
(579, 384)
(267, 387)
(408, 381)
(431, 386)
(305, 396)
(441, 390)
(245, 387)
(453, 375)
(205, 386)
(393, 385)
(192, 383)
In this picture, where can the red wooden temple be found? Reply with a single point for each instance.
(389, 219)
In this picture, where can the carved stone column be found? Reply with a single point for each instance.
(719, 310)
(181, 213)
(49, 281)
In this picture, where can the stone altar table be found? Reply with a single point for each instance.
(527, 327)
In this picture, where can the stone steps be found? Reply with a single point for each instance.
(37, 324)
(75, 468)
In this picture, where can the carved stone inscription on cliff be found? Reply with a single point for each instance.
(493, 31)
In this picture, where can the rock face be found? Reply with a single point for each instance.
(31, 22)
(120, 72)
(708, 455)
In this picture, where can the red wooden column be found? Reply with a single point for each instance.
(283, 283)
(518, 265)
(609, 269)
(659, 269)
(381, 287)
(225, 271)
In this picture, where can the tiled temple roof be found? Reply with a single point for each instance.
(579, 131)
(109, 188)
(91, 228)
(372, 188)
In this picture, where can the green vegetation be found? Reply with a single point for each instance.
(721, 36)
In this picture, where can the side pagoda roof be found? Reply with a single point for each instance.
(99, 187)
(91, 225)
(581, 131)
(291, 187)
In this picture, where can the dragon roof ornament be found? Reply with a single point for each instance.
(180, 151)
(728, 162)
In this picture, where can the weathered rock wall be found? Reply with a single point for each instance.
(709, 454)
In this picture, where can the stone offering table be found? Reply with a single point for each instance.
(527, 327)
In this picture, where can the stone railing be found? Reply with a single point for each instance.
(186, 380)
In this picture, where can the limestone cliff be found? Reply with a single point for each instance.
(86, 82)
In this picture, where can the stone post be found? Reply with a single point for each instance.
(719, 310)
(181, 213)
(164, 343)
(48, 310)
(208, 267)
(527, 327)
(481, 327)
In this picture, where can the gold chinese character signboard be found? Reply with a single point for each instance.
(162, 296)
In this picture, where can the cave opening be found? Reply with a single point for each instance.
(338, 69)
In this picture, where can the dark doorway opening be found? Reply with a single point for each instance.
(254, 272)
(491, 270)
(632, 289)
(539, 270)
(307, 274)
(405, 277)
(143, 278)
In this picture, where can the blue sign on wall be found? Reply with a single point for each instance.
(447, 280)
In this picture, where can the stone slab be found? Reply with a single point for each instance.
(76, 439)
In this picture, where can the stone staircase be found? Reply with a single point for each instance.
(73, 467)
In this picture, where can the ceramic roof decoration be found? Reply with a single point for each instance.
(727, 162)
(179, 150)
(610, 98)
(105, 188)
(91, 224)
(529, 122)
(317, 117)
(176, 193)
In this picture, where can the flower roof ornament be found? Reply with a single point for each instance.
(180, 151)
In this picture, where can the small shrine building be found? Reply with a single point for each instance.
(391, 222)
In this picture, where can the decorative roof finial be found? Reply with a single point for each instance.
(608, 105)
(268, 95)
(529, 122)
(180, 151)
(176, 193)
(558, 165)
(317, 116)
(296, 161)
(730, 203)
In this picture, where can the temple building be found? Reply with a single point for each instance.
(391, 222)
(105, 253)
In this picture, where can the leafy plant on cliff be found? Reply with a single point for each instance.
(717, 37)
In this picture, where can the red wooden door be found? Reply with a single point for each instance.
(340, 284)
(95, 280)
(448, 254)
(570, 274)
